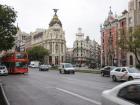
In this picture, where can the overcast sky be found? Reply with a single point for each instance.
(87, 14)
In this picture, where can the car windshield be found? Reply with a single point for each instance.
(68, 65)
(21, 64)
(133, 70)
(2, 67)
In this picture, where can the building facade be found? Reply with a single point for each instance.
(133, 21)
(85, 50)
(20, 40)
(69, 55)
(109, 41)
(55, 41)
(116, 28)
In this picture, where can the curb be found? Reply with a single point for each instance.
(4, 100)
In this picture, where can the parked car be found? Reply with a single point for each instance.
(49, 66)
(106, 70)
(125, 73)
(43, 67)
(66, 68)
(92, 65)
(127, 93)
(3, 70)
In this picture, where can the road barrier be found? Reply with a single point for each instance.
(3, 98)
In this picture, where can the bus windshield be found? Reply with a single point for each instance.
(21, 56)
(21, 64)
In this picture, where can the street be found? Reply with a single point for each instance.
(51, 88)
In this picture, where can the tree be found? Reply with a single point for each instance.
(131, 42)
(37, 53)
(7, 27)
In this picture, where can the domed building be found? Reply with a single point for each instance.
(55, 41)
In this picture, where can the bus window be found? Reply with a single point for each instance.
(21, 64)
(21, 56)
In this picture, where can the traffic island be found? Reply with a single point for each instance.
(85, 70)
(94, 71)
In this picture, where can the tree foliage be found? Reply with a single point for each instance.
(130, 41)
(37, 53)
(7, 27)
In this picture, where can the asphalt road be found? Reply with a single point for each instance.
(52, 88)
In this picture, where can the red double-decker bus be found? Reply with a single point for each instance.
(16, 62)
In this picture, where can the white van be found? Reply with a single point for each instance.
(34, 64)
(66, 68)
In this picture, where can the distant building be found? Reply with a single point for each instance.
(20, 40)
(85, 50)
(96, 53)
(38, 37)
(69, 55)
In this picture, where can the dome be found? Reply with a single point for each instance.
(55, 20)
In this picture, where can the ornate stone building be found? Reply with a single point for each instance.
(109, 41)
(115, 28)
(55, 41)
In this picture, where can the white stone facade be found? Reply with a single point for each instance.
(56, 44)
(52, 39)
(20, 40)
(84, 50)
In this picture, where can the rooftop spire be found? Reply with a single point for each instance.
(110, 12)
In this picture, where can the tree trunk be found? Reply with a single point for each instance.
(136, 55)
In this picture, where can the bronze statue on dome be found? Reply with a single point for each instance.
(55, 10)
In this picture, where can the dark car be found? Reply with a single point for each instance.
(106, 70)
(43, 68)
(92, 65)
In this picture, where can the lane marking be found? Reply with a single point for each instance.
(77, 95)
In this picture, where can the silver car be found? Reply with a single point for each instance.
(125, 73)
(127, 93)
(3, 70)
(66, 68)
(43, 68)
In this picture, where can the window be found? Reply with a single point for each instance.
(123, 69)
(130, 93)
(21, 56)
(21, 64)
(118, 69)
(130, 20)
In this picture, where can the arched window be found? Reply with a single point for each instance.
(131, 60)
